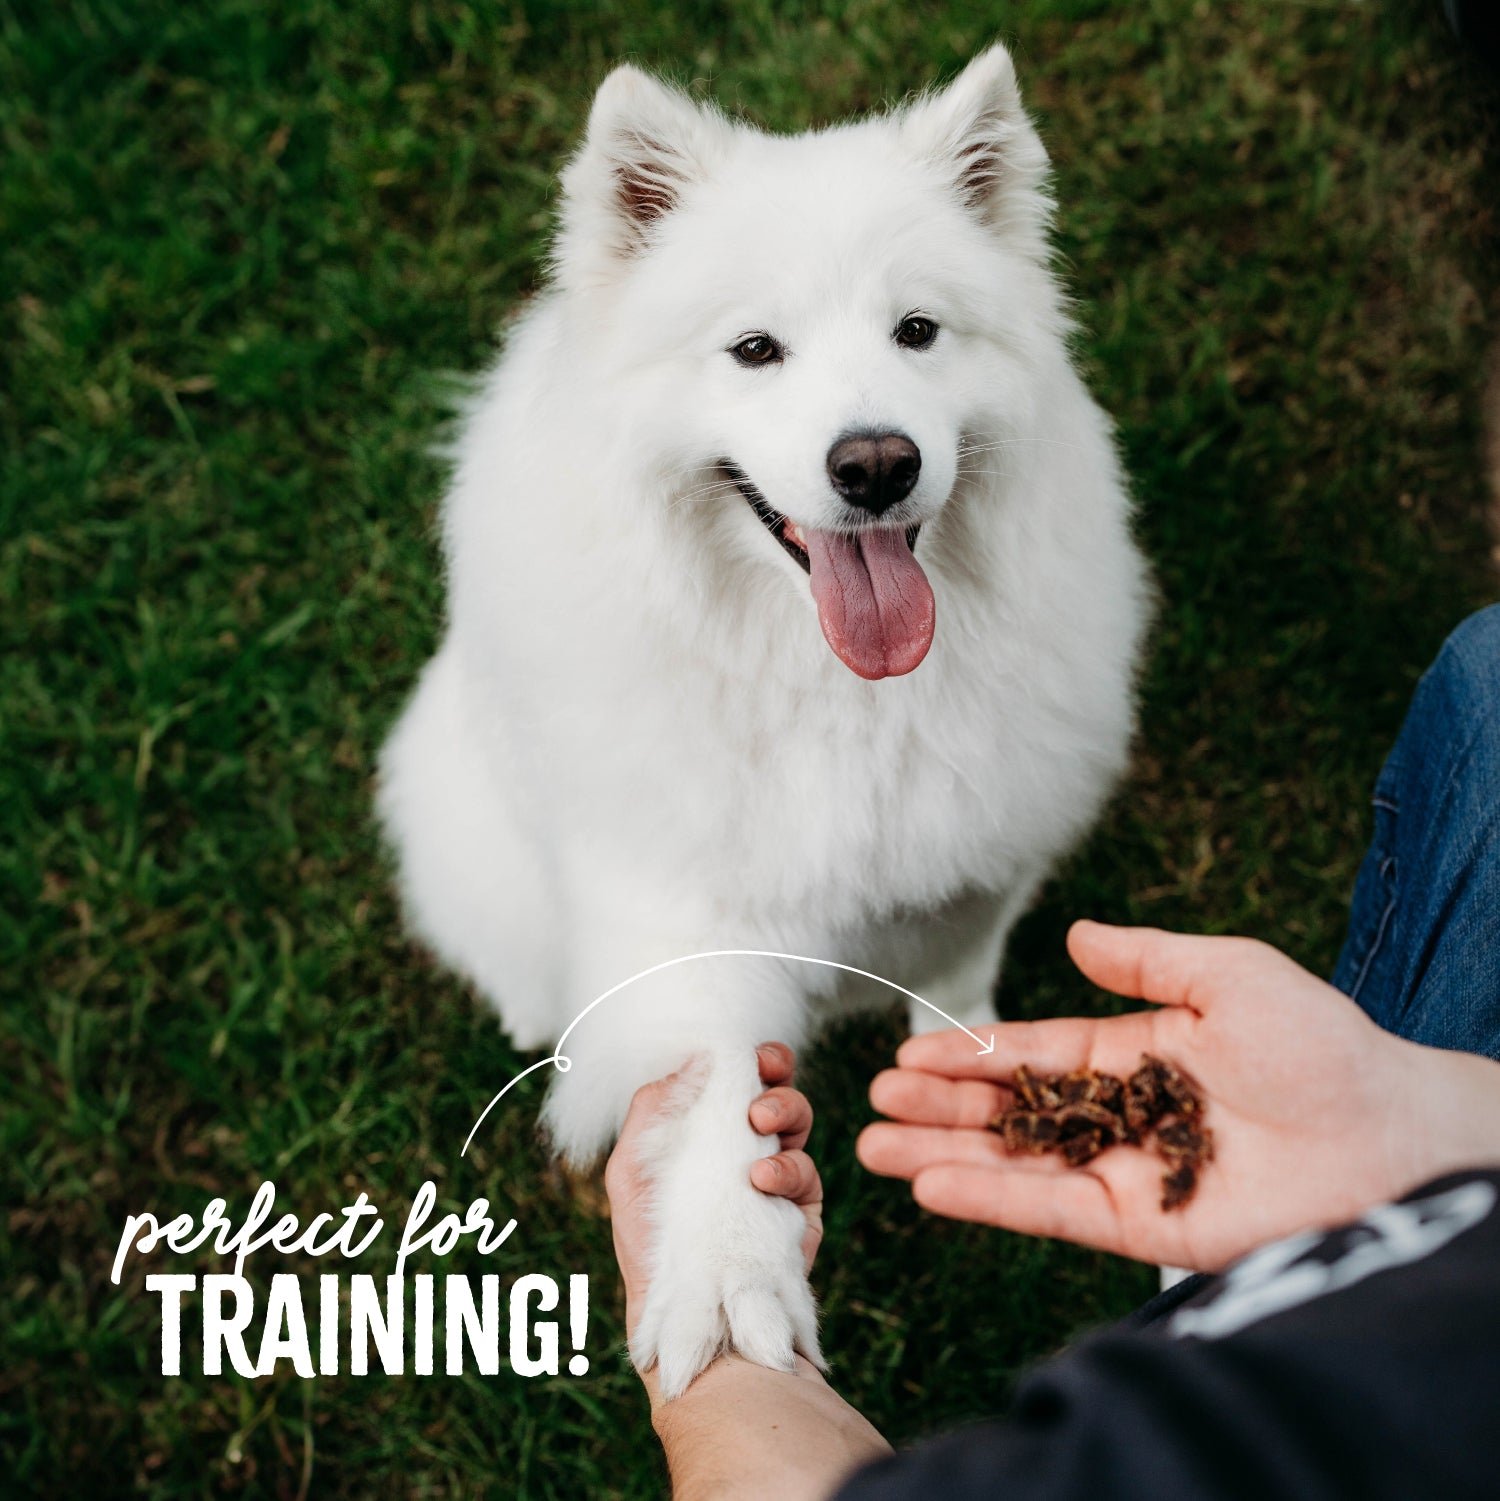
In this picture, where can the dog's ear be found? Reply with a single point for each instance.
(646, 143)
(976, 131)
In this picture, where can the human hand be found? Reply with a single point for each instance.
(1316, 1112)
(790, 1173)
(786, 1113)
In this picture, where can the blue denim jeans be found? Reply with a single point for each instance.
(1423, 952)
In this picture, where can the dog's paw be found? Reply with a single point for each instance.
(729, 1276)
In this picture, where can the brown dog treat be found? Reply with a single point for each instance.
(1083, 1146)
(1028, 1131)
(1036, 1091)
(1185, 1141)
(1094, 1117)
(1178, 1186)
(1110, 1093)
(1080, 1114)
(1184, 1098)
(1074, 1088)
(1085, 1087)
(1145, 1100)
(1023, 1084)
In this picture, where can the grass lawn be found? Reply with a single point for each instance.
(240, 244)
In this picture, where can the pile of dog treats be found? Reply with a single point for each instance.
(1078, 1115)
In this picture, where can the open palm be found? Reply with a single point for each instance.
(1316, 1112)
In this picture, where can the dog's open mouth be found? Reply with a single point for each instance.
(874, 602)
(783, 528)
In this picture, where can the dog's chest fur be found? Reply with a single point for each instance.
(729, 759)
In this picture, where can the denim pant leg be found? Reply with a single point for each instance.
(1423, 952)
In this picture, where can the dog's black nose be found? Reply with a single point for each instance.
(874, 470)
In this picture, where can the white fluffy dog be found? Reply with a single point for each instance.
(793, 605)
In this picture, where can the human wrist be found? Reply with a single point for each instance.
(743, 1431)
(720, 1373)
(1456, 1097)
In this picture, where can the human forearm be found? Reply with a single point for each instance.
(744, 1431)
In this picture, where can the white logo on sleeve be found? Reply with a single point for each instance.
(1277, 1277)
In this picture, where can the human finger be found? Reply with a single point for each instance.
(1053, 1046)
(1151, 964)
(776, 1062)
(907, 1094)
(783, 1112)
(900, 1151)
(788, 1175)
(1058, 1046)
(1075, 1206)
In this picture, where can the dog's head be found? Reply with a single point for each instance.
(819, 332)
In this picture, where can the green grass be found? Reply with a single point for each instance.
(239, 245)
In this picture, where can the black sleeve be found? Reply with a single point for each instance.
(1364, 1363)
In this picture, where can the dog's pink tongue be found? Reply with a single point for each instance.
(874, 602)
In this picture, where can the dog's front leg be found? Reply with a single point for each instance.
(727, 1266)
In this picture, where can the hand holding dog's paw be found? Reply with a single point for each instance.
(728, 1274)
(710, 1260)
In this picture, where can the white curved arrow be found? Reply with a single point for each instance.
(564, 1063)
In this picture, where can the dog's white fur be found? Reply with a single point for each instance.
(634, 742)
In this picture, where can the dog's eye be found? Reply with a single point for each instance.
(915, 332)
(758, 349)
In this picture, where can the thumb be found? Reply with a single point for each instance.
(1150, 964)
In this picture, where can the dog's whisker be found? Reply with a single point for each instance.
(964, 450)
(719, 487)
(707, 478)
(690, 471)
(677, 505)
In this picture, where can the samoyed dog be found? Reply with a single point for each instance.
(793, 606)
